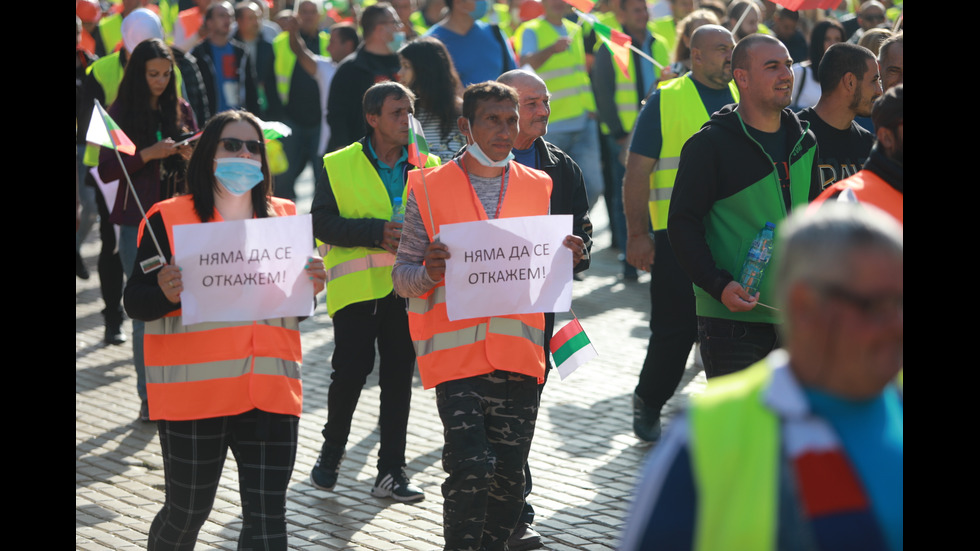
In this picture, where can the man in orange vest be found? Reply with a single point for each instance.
(881, 181)
(485, 370)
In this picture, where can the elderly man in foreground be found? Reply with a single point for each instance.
(803, 450)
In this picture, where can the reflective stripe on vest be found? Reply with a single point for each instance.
(564, 72)
(377, 260)
(735, 459)
(179, 361)
(285, 62)
(449, 350)
(471, 335)
(682, 113)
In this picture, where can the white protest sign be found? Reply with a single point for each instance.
(508, 266)
(245, 270)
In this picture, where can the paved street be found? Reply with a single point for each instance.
(584, 458)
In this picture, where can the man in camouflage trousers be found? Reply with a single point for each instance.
(506, 405)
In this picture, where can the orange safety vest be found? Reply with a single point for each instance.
(449, 350)
(215, 369)
(869, 188)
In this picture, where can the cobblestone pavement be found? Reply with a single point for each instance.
(584, 458)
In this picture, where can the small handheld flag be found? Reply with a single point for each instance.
(273, 130)
(418, 148)
(619, 44)
(104, 131)
(570, 348)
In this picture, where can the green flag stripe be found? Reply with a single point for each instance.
(570, 347)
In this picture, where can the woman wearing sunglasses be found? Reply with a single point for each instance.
(148, 110)
(215, 386)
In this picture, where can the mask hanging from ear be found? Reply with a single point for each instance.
(478, 154)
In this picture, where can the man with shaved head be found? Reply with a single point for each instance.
(672, 115)
(568, 196)
(748, 165)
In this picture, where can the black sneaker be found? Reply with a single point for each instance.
(327, 468)
(646, 421)
(395, 484)
(524, 538)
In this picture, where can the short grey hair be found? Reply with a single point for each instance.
(816, 245)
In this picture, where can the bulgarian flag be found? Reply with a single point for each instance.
(273, 130)
(618, 43)
(571, 348)
(104, 131)
(584, 5)
(418, 148)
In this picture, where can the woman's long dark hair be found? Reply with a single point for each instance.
(817, 36)
(201, 183)
(136, 118)
(140, 122)
(436, 82)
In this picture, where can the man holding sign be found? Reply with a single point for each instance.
(485, 370)
(353, 212)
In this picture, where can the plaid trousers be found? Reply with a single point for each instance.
(264, 446)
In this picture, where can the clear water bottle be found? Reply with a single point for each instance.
(398, 210)
(756, 260)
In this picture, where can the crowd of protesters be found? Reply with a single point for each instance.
(720, 117)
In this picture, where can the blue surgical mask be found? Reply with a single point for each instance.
(238, 175)
(479, 10)
(397, 39)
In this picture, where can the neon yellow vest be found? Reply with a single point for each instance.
(499, 14)
(418, 23)
(285, 62)
(665, 27)
(168, 16)
(682, 113)
(110, 28)
(564, 73)
(627, 102)
(356, 274)
(735, 460)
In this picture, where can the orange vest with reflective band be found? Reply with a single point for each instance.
(216, 369)
(449, 350)
(868, 187)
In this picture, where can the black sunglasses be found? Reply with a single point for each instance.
(234, 145)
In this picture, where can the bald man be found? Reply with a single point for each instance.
(747, 166)
(672, 115)
(568, 196)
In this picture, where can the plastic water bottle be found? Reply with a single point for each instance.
(757, 259)
(398, 210)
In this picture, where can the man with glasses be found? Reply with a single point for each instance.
(374, 61)
(783, 454)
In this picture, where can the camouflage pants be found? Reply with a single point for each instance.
(488, 422)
